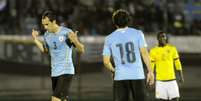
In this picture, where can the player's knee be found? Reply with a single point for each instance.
(61, 96)
(54, 98)
(57, 95)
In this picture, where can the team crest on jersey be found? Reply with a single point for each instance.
(61, 38)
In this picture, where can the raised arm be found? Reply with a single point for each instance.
(146, 59)
(38, 43)
(74, 39)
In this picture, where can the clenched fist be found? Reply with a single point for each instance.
(34, 33)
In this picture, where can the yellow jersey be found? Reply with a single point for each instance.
(163, 61)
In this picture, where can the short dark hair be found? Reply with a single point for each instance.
(50, 14)
(120, 18)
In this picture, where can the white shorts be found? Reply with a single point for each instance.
(166, 90)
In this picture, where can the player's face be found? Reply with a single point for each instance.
(48, 25)
(162, 39)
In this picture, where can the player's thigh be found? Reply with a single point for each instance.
(161, 90)
(67, 79)
(120, 90)
(61, 87)
(173, 90)
(54, 82)
(138, 90)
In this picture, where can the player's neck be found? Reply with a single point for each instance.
(121, 27)
(162, 45)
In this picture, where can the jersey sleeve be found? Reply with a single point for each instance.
(67, 31)
(106, 48)
(142, 41)
(152, 59)
(45, 45)
(175, 53)
(68, 42)
(177, 61)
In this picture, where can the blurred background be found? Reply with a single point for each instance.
(25, 72)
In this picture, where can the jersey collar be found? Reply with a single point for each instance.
(120, 29)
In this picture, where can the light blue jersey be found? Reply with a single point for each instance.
(60, 52)
(124, 46)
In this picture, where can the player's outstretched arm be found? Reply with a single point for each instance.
(146, 58)
(36, 40)
(74, 39)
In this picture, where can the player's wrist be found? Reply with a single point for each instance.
(150, 70)
(112, 70)
(75, 40)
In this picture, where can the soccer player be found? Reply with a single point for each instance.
(125, 46)
(163, 59)
(58, 42)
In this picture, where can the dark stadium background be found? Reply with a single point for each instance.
(24, 71)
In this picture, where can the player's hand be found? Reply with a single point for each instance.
(181, 80)
(112, 75)
(34, 34)
(73, 36)
(181, 77)
(150, 78)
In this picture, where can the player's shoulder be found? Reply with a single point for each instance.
(111, 35)
(172, 47)
(136, 30)
(66, 29)
(133, 29)
(154, 48)
(108, 37)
